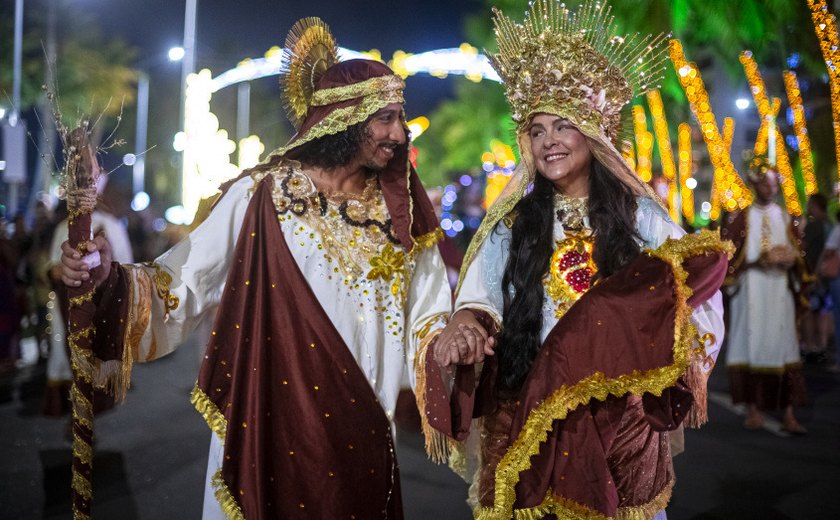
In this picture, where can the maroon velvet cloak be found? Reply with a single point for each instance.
(619, 339)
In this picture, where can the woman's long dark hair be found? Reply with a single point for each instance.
(612, 217)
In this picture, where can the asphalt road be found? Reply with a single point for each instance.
(151, 456)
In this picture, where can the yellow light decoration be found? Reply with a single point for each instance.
(721, 183)
(207, 149)
(397, 64)
(373, 54)
(417, 126)
(644, 144)
(805, 159)
(761, 140)
(666, 154)
(689, 76)
(250, 150)
(762, 103)
(825, 26)
(686, 167)
(629, 155)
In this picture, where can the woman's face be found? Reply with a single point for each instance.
(561, 154)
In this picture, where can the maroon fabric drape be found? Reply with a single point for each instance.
(623, 324)
(306, 436)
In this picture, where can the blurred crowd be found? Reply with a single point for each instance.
(32, 325)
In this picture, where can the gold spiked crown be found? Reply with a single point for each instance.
(574, 65)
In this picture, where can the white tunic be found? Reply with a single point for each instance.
(762, 331)
(381, 330)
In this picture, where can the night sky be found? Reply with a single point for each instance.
(229, 31)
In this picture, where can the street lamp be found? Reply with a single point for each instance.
(138, 161)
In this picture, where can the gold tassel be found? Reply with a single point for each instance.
(695, 378)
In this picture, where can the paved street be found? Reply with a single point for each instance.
(152, 451)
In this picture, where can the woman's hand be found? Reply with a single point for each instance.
(463, 342)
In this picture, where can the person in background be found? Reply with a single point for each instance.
(817, 319)
(766, 276)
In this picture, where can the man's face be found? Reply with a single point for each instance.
(385, 132)
(767, 188)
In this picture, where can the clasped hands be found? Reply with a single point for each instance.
(464, 341)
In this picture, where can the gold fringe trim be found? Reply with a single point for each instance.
(598, 386)
(81, 363)
(230, 507)
(82, 450)
(436, 442)
(81, 485)
(215, 419)
(428, 240)
(565, 509)
(649, 510)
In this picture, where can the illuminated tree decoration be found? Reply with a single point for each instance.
(629, 154)
(686, 165)
(805, 159)
(689, 75)
(762, 103)
(825, 25)
(720, 185)
(666, 154)
(644, 144)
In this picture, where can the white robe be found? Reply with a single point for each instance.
(383, 337)
(762, 332)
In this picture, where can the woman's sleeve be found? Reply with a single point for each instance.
(654, 228)
(481, 288)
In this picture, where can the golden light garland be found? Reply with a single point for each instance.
(720, 185)
(666, 154)
(805, 160)
(695, 91)
(644, 144)
(762, 103)
(629, 155)
(825, 25)
(686, 165)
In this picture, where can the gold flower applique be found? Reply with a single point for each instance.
(389, 265)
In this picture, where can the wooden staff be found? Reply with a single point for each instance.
(80, 175)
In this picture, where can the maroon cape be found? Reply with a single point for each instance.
(629, 335)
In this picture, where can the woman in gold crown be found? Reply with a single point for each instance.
(585, 322)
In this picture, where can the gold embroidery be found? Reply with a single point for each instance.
(570, 271)
(597, 386)
(428, 240)
(205, 406)
(81, 485)
(389, 265)
(382, 86)
(341, 119)
(162, 280)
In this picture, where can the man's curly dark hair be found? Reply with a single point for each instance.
(333, 150)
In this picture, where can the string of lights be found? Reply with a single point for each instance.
(805, 160)
(666, 154)
(720, 185)
(762, 104)
(825, 25)
(736, 193)
(644, 144)
(686, 167)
